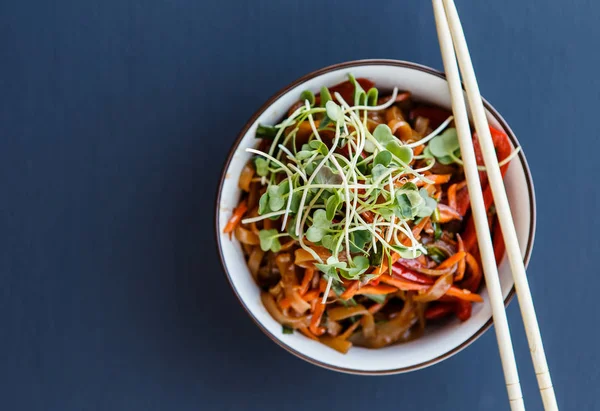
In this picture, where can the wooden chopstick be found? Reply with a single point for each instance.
(453, 32)
(490, 269)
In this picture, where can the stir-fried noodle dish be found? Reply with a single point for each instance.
(354, 217)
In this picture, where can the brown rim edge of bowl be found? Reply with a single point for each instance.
(374, 62)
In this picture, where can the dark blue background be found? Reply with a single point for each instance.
(115, 119)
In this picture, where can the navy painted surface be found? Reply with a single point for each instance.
(115, 119)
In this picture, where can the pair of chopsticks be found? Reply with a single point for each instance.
(453, 45)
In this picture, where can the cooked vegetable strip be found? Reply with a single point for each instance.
(354, 217)
(236, 217)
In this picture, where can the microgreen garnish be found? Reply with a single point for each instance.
(262, 167)
(360, 96)
(334, 112)
(323, 188)
(445, 147)
(436, 254)
(325, 96)
(263, 131)
(269, 240)
(308, 95)
(372, 96)
(437, 231)
(319, 227)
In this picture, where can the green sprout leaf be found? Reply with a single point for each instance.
(386, 212)
(358, 239)
(437, 254)
(325, 96)
(428, 206)
(262, 166)
(319, 146)
(305, 153)
(334, 112)
(444, 147)
(332, 204)
(407, 204)
(268, 132)
(437, 231)
(405, 154)
(360, 97)
(277, 199)
(269, 240)
(291, 227)
(330, 269)
(329, 241)
(320, 226)
(327, 176)
(403, 207)
(405, 252)
(263, 204)
(308, 95)
(295, 205)
(375, 258)
(383, 134)
(410, 186)
(383, 157)
(378, 171)
(360, 264)
(372, 96)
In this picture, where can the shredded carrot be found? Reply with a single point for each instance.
(418, 228)
(452, 196)
(308, 275)
(453, 200)
(448, 213)
(464, 294)
(353, 288)
(439, 178)
(316, 320)
(472, 282)
(418, 150)
(454, 291)
(450, 261)
(350, 291)
(402, 284)
(376, 289)
(311, 295)
(236, 217)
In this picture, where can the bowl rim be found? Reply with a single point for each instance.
(350, 64)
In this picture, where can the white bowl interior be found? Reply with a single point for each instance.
(437, 341)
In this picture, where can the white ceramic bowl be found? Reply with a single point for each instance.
(439, 342)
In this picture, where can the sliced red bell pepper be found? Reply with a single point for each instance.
(503, 150)
(498, 240)
(463, 310)
(401, 271)
(439, 310)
